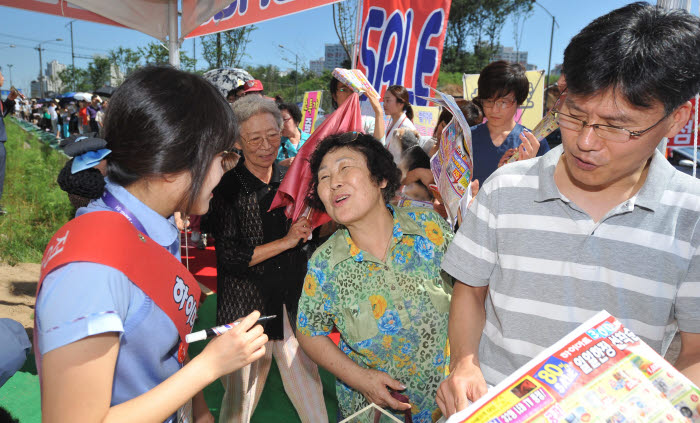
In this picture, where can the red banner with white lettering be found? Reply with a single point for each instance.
(246, 12)
(685, 136)
(401, 44)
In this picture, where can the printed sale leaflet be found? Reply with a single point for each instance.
(356, 80)
(600, 372)
(453, 164)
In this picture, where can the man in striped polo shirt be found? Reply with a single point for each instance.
(602, 222)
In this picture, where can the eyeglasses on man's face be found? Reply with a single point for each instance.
(606, 132)
(272, 138)
(501, 103)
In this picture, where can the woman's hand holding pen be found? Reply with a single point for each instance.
(240, 346)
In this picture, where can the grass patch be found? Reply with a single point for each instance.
(36, 205)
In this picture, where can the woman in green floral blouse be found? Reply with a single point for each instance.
(378, 281)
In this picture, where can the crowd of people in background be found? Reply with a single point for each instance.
(430, 311)
(63, 117)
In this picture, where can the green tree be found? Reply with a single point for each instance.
(74, 77)
(98, 72)
(155, 53)
(479, 22)
(125, 59)
(226, 49)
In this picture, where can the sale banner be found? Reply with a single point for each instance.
(244, 12)
(530, 113)
(401, 44)
(309, 111)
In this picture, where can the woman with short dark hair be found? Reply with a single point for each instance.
(378, 281)
(502, 88)
(293, 138)
(261, 266)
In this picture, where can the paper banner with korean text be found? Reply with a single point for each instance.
(309, 111)
(401, 44)
(244, 12)
(453, 164)
(530, 113)
(600, 372)
(425, 119)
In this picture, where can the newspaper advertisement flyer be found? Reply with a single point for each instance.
(600, 372)
(356, 80)
(453, 164)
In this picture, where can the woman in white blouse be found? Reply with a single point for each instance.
(397, 106)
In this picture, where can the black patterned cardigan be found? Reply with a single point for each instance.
(239, 221)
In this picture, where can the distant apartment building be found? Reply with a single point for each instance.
(35, 90)
(509, 54)
(52, 82)
(316, 66)
(335, 56)
(116, 76)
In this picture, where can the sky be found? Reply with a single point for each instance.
(27, 29)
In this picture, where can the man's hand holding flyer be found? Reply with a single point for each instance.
(600, 372)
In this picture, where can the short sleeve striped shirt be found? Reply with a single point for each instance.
(549, 266)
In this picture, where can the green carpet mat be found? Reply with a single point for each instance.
(21, 397)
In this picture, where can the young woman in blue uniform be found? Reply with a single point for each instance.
(108, 351)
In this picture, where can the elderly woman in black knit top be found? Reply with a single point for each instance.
(260, 265)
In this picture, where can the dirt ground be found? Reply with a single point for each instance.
(18, 287)
(17, 293)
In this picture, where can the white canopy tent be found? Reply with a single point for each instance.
(159, 18)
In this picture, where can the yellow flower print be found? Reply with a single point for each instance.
(310, 285)
(434, 233)
(386, 342)
(378, 305)
(353, 248)
(409, 241)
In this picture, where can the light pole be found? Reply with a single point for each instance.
(296, 69)
(72, 53)
(41, 70)
(10, 65)
(551, 39)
